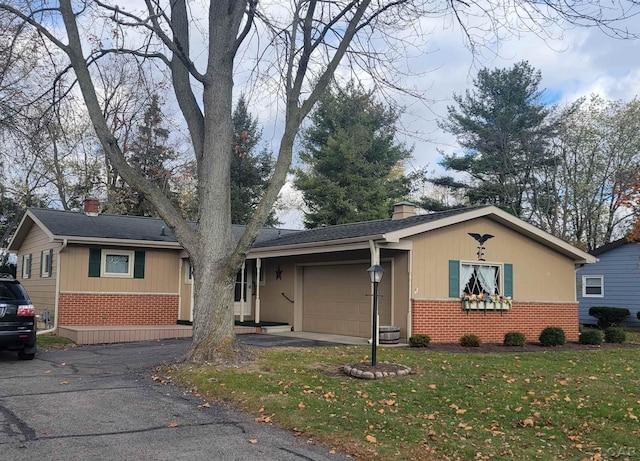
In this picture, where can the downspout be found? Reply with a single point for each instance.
(409, 310)
(57, 299)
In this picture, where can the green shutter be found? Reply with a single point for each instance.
(41, 263)
(50, 268)
(29, 267)
(508, 280)
(138, 265)
(95, 259)
(454, 278)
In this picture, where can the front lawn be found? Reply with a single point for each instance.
(518, 405)
(50, 341)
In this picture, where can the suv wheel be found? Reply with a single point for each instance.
(22, 355)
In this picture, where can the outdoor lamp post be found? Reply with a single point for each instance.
(375, 273)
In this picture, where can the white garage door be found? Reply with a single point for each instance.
(337, 300)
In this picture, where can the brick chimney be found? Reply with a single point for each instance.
(403, 210)
(91, 206)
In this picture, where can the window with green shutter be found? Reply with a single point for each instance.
(116, 263)
(480, 279)
(138, 265)
(95, 258)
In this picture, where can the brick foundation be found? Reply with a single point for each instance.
(117, 309)
(446, 321)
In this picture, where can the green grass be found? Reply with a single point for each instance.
(536, 405)
(53, 341)
(633, 336)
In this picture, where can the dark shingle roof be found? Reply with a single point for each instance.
(610, 246)
(357, 230)
(105, 226)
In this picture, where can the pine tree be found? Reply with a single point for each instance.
(353, 165)
(250, 172)
(504, 129)
(151, 154)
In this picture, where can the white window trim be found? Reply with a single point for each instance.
(44, 270)
(482, 263)
(26, 262)
(584, 286)
(103, 263)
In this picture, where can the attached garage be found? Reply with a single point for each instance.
(337, 299)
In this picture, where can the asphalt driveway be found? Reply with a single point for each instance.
(102, 402)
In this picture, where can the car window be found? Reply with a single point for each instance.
(12, 291)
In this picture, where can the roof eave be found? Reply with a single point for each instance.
(314, 247)
(23, 229)
(118, 242)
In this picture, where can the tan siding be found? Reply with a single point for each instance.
(539, 274)
(160, 276)
(42, 290)
(273, 306)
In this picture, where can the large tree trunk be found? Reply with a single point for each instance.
(215, 267)
(213, 316)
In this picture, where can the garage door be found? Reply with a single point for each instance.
(336, 299)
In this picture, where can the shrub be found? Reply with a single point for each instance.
(615, 335)
(470, 341)
(552, 336)
(593, 337)
(608, 316)
(514, 338)
(419, 340)
(638, 315)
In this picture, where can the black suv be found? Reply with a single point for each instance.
(17, 319)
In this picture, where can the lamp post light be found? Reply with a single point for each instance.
(375, 273)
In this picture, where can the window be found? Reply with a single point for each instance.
(26, 266)
(117, 263)
(593, 286)
(476, 277)
(46, 263)
(479, 278)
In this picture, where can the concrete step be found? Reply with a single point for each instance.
(276, 329)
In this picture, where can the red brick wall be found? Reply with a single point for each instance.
(446, 321)
(117, 309)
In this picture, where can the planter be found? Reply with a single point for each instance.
(389, 334)
(486, 306)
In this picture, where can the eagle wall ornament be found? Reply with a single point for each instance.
(480, 239)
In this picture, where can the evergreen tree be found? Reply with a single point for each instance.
(505, 131)
(150, 153)
(250, 172)
(352, 162)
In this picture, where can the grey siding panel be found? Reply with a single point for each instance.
(620, 268)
